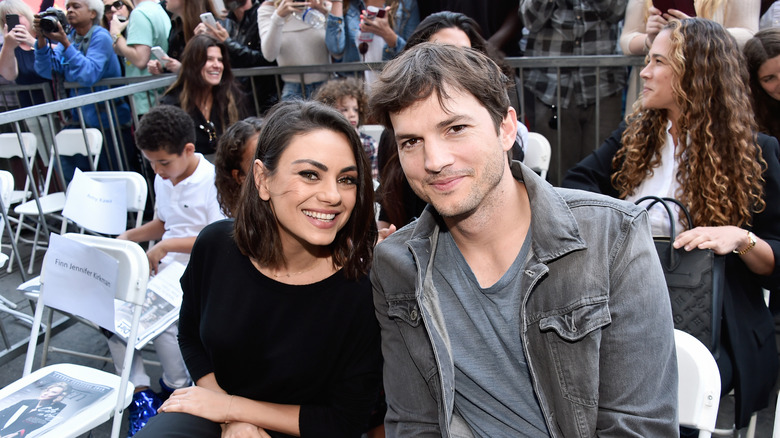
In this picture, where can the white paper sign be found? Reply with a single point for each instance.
(99, 206)
(81, 280)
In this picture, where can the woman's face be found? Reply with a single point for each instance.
(658, 76)
(769, 77)
(79, 14)
(114, 7)
(51, 393)
(314, 189)
(212, 69)
(451, 35)
(175, 6)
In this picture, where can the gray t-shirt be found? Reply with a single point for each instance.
(493, 390)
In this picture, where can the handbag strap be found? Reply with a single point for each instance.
(665, 203)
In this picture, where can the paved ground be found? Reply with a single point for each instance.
(82, 338)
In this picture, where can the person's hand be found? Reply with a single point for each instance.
(243, 430)
(378, 26)
(287, 7)
(674, 14)
(17, 36)
(217, 32)
(172, 65)
(154, 67)
(655, 22)
(155, 254)
(384, 233)
(59, 36)
(116, 27)
(195, 400)
(323, 6)
(123, 236)
(722, 240)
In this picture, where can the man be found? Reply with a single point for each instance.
(510, 308)
(574, 28)
(148, 26)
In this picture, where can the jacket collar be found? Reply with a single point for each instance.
(553, 226)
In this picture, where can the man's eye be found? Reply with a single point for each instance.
(458, 128)
(410, 143)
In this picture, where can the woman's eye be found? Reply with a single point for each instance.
(349, 180)
(307, 174)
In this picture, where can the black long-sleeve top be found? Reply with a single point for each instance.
(315, 345)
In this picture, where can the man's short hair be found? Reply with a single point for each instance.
(432, 67)
(165, 127)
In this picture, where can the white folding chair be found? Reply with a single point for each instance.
(137, 190)
(10, 148)
(537, 153)
(699, 387)
(68, 142)
(130, 287)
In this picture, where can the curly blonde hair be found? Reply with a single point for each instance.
(720, 171)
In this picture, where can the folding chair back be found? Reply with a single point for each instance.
(699, 387)
(136, 189)
(537, 153)
(10, 148)
(130, 287)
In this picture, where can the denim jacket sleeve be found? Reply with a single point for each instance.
(335, 39)
(638, 367)
(412, 409)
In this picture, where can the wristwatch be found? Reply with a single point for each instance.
(116, 37)
(751, 244)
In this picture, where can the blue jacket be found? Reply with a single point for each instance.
(98, 63)
(595, 322)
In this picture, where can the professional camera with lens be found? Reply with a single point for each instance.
(49, 19)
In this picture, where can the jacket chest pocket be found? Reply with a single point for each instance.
(407, 315)
(574, 340)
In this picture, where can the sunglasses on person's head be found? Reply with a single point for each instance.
(117, 5)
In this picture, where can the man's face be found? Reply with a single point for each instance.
(453, 158)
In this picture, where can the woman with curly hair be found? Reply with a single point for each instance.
(692, 137)
(763, 61)
(233, 162)
(207, 90)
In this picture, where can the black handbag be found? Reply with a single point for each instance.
(695, 280)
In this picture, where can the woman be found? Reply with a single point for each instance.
(763, 61)
(22, 418)
(277, 324)
(17, 57)
(115, 7)
(186, 17)
(692, 137)
(207, 90)
(289, 41)
(233, 162)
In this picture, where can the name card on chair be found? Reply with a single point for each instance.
(99, 206)
(81, 280)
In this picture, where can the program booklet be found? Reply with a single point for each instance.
(160, 310)
(41, 405)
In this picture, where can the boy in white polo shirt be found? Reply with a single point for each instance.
(186, 200)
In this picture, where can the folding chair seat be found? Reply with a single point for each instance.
(130, 287)
(68, 142)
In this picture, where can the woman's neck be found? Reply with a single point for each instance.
(82, 29)
(205, 105)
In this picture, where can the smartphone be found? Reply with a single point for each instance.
(159, 53)
(684, 6)
(12, 20)
(207, 18)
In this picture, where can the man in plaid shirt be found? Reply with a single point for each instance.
(574, 28)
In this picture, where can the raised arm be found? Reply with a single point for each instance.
(269, 24)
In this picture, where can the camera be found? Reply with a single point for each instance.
(49, 19)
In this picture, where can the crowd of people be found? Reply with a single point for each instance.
(509, 306)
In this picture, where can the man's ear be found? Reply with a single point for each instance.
(507, 130)
(260, 174)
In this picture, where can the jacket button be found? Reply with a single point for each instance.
(413, 314)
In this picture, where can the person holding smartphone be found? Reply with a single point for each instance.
(390, 31)
(17, 58)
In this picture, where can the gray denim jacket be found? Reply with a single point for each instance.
(595, 320)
